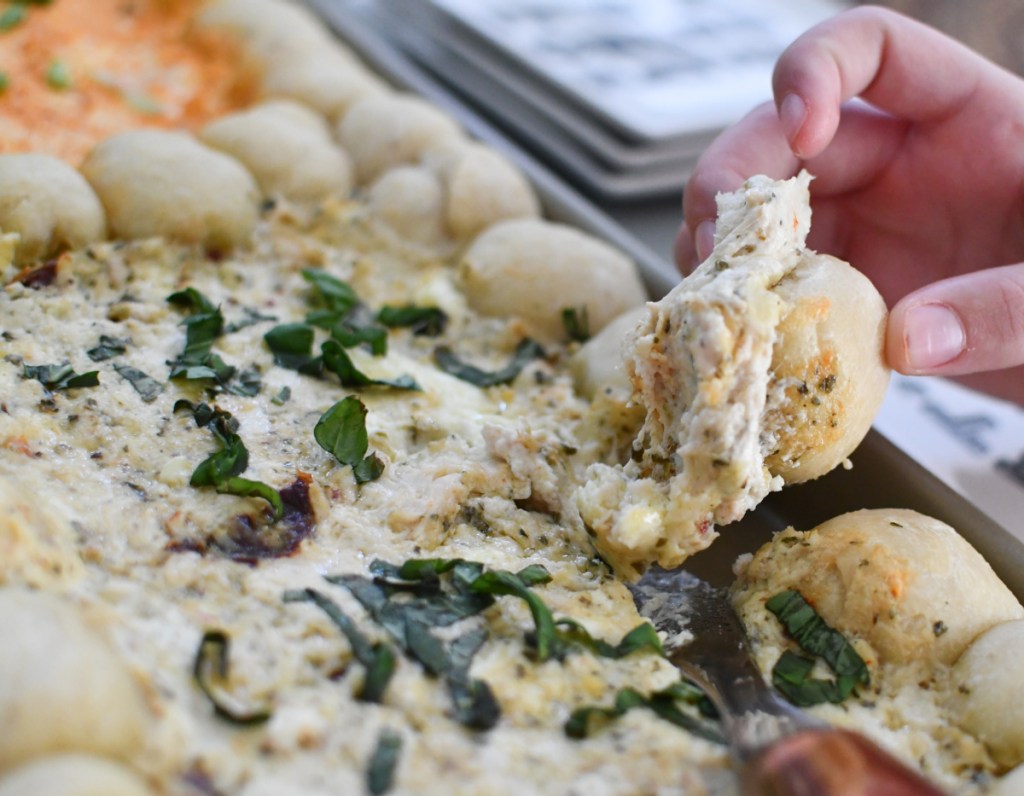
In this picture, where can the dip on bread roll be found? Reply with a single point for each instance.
(763, 367)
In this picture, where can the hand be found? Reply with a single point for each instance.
(920, 185)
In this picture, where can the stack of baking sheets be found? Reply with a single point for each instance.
(620, 97)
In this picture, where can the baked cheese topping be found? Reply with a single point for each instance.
(297, 498)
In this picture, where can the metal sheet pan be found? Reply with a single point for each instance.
(882, 475)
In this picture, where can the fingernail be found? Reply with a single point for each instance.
(704, 239)
(792, 113)
(933, 335)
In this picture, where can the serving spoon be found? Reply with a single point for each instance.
(781, 751)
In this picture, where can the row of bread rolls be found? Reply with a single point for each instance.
(917, 600)
(326, 126)
(73, 716)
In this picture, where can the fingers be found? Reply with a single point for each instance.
(896, 63)
(963, 325)
(754, 145)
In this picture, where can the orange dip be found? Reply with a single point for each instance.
(78, 71)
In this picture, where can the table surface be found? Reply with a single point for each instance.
(973, 443)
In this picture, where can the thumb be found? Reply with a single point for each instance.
(968, 324)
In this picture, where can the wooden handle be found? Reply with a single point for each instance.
(830, 762)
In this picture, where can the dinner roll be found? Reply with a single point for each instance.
(157, 183)
(267, 29)
(324, 76)
(484, 188)
(535, 269)
(49, 204)
(597, 365)
(73, 775)
(828, 373)
(383, 131)
(62, 687)
(288, 149)
(988, 691)
(908, 584)
(410, 200)
(1011, 784)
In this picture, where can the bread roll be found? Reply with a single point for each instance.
(410, 200)
(908, 584)
(484, 188)
(156, 183)
(762, 366)
(49, 204)
(73, 775)
(62, 687)
(988, 691)
(288, 149)
(384, 131)
(535, 269)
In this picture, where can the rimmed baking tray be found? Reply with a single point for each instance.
(882, 475)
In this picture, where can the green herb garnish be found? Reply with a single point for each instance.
(426, 321)
(337, 297)
(339, 363)
(107, 348)
(145, 385)
(211, 674)
(204, 325)
(341, 431)
(378, 659)
(791, 673)
(58, 75)
(221, 469)
(12, 16)
(60, 377)
(576, 323)
(527, 351)
(664, 703)
(381, 772)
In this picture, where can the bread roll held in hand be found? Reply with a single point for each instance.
(763, 367)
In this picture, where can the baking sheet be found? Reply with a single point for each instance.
(882, 475)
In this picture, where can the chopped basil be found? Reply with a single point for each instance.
(60, 377)
(641, 637)
(12, 16)
(282, 397)
(58, 75)
(291, 344)
(791, 673)
(425, 321)
(292, 347)
(192, 301)
(408, 610)
(204, 325)
(339, 363)
(341, 431)
(252, 317)
(338, 298)
(107, 348)
(350, 335)
(145, 385)
(501, 582)
(5, 82)
(211, 673)
(380, 774)
(247, 384)
(576, 323)
(525, 352)
(583, 721)
(378, 659)
(221, 469)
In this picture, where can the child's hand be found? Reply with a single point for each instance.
(922, 190)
